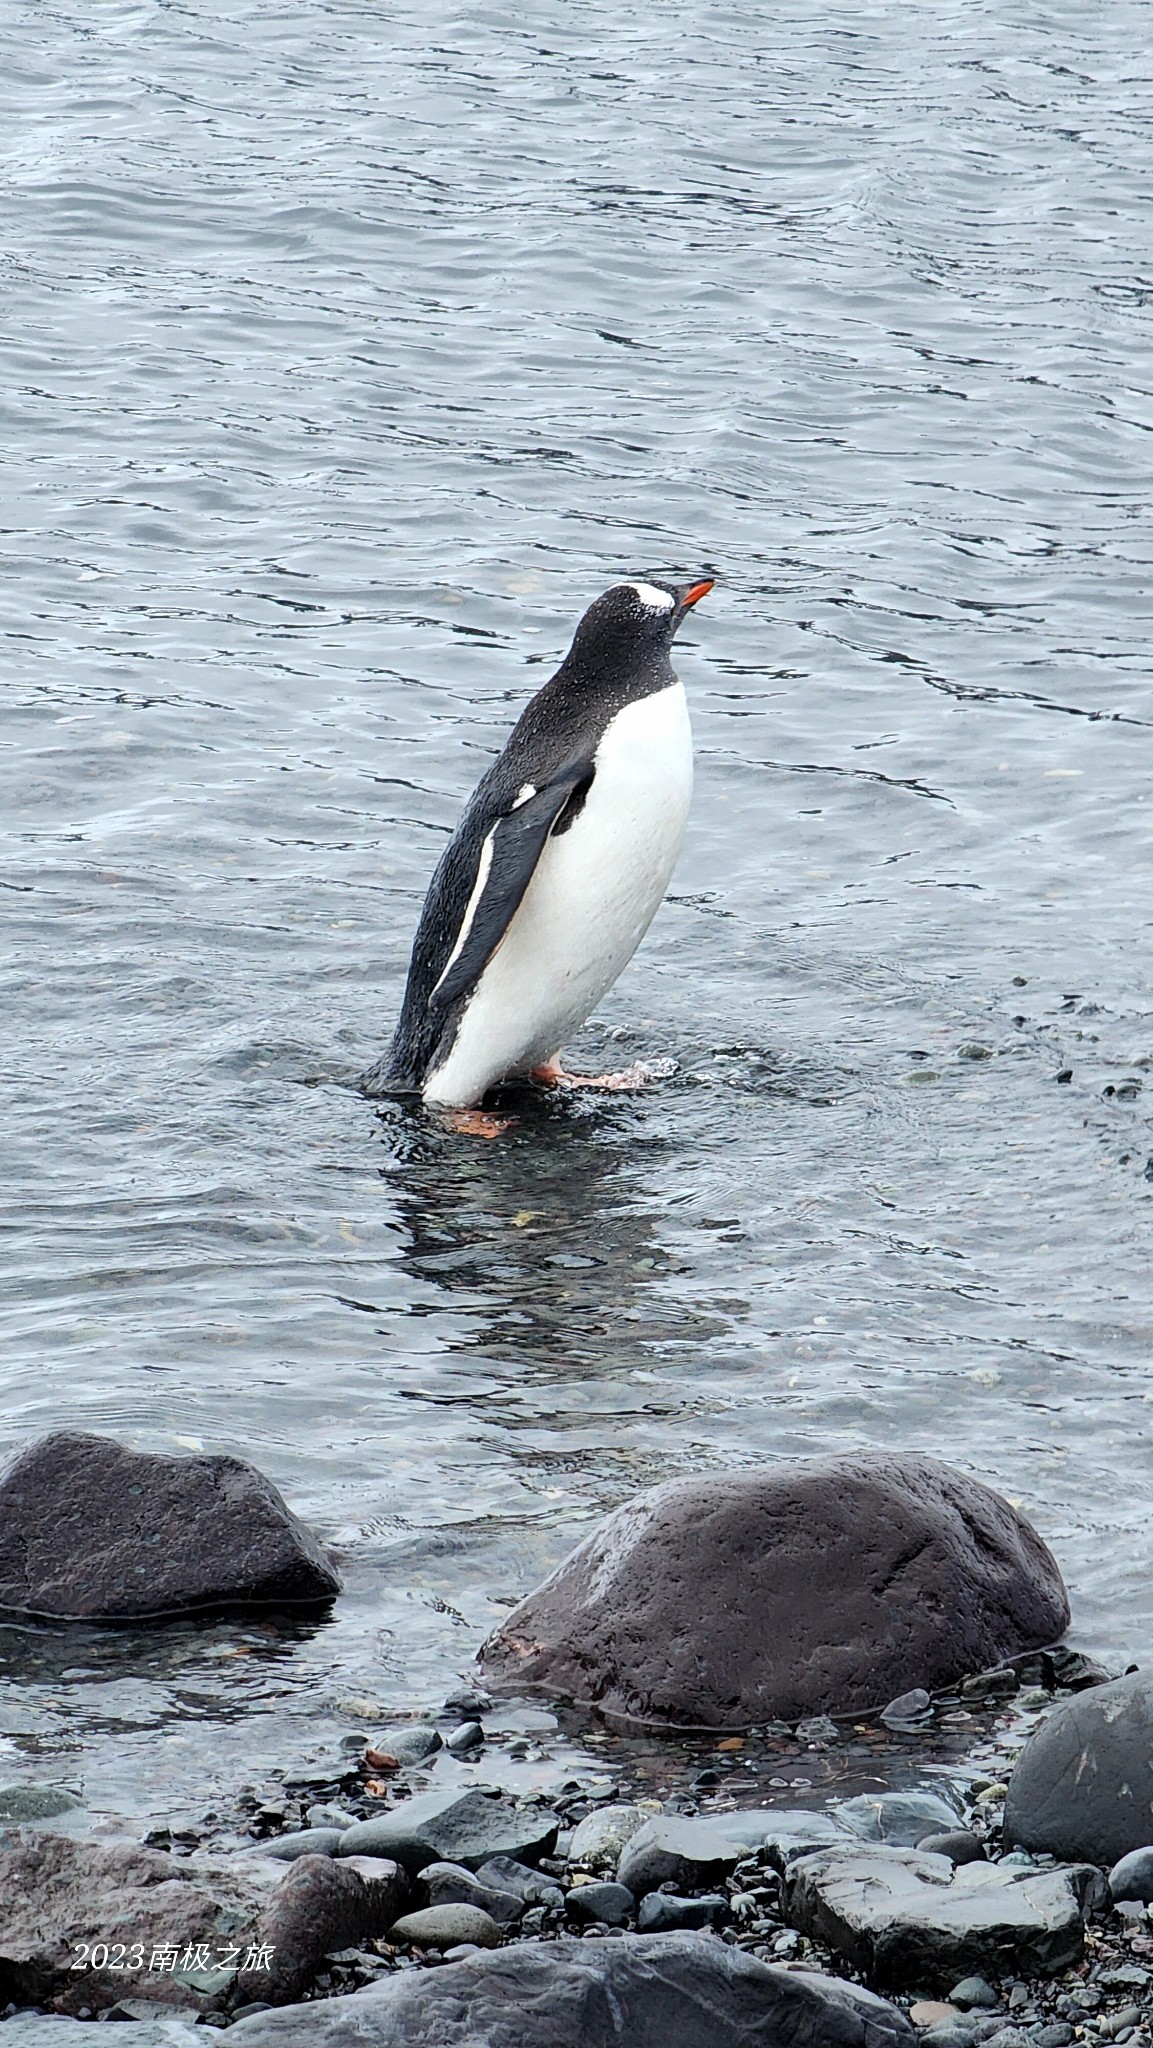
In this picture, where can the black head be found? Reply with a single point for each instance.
(633, 623)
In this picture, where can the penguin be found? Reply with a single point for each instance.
(558, 865)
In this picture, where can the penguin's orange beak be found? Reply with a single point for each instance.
(696, 591)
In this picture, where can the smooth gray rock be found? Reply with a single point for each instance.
(610, 1905)
(92, 1531)
(827, 1586)
(661, 1912)
(306, 1842)
(450, 1884)
(1083, 1784)
(1132, 1877)
(599, 1838)
(637, 1991)
(912, 1921)
(470, 1735)
(896, 1817)
(446, 1926)
(785, 1832)
(956, 1843)
(974, 1993)
(671, 1849)
(532, 1887)
(454, 1827)
(408, 1745)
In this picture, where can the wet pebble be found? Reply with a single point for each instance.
(444, 1927)
(470, 1735)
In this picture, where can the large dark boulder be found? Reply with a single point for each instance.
(90, 1531)
(1082, 1786)
(639, 1991)
(800, 1589)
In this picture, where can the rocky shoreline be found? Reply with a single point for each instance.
(389, 1878)
(404, 1893)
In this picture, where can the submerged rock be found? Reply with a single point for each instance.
(908, 1920)
(636, 1991)
(91, 1531)
(801, 1589)
(1082, 1786)
(900, 1818)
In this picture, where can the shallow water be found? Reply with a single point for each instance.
(349, 352)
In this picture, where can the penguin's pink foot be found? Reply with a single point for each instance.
(476, 1123)
(639, 1075)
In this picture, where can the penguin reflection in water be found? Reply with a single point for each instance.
(556, 869)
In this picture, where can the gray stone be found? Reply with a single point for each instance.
(660, 1912)
(896, 1817)
(58, 1895)
(956, 1843)
(958, 2033)
(387, 1887)
(598, 1840)
(322, 1816)
(1132, 1877)
(635, 1991)
(915, 1921)
(532, 1887)
(1058, 2034)
(36, 1802)
(974, 1991)
(470, 1735)
(307, 1842)
(610, 1905)
(669, 1849)
(1009, 2037)
(450, 1884)
(445, 1926)
(92, 1531)
(784, 1832)
(408, 1745)
(1083, 1784)
(454, 1827)
(321, 1904)
(827, 1586)
(907, 1709)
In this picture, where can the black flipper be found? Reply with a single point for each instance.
(434, 989)
(517, 840)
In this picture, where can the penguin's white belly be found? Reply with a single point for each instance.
(595, 891)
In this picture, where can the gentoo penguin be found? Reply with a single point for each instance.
(558, 865)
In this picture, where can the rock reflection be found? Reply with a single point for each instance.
(552, 1232)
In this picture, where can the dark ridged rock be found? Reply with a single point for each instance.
(454, 1826)
(637, 1991)
(829, 1586)
(90, 1531)
(1082, 1786)
(908, 1920)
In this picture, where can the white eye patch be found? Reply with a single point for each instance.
(653, 599)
